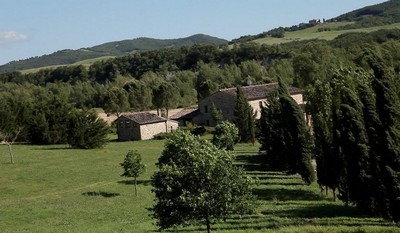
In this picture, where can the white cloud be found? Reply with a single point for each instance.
(11, 37)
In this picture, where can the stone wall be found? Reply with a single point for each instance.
(222, 101)
(148, 131)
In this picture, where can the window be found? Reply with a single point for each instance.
(205, 109)
(207, 122)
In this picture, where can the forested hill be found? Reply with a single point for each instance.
(375, 15)
(118, 48)
(379, 15)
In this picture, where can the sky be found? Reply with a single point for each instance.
(30, 28)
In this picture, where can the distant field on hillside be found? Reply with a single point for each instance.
(59, 189)
(312, 33)
(85, 63)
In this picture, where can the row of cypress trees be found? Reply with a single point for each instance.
(356, 125)
(284, 135)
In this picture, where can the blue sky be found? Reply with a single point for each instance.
(31, 28)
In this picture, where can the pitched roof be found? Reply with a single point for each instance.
(259, 91)
(185, 113)
(143, 118)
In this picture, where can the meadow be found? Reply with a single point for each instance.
(313, 33)
(59, 189)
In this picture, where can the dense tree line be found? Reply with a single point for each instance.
(356, 122)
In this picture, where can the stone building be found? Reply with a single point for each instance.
(142, 126)
(225, 100)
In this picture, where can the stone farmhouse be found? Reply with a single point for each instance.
(142, 126)
(225, 100)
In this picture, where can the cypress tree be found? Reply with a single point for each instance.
(297, 136)
(388, 109)
(244, 117)
(353, 147)
(270, 132)
(372, 123)
(284, 135)
(319, 106)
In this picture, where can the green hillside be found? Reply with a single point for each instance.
(327, 31)
(385, 15)
(375, 15)
(111, 49)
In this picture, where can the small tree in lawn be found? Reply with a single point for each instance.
(133, 166)
(197, 183)
(225, 135)
(9, 139)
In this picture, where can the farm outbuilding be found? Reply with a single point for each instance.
(225, 100)
(142, 126)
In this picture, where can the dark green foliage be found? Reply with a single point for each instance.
(216, 114)
(225, 135)
(133, 166)
(270, 133)
(284, 135)
(199, 130)
(116, 101)
(49, 121)
(197, 183)
(244, 117)
(86, 130)
(319, 106)
(165, 96)
(161, 136)
(354, 150)
(380, 14)
(388, 109)
(118, 48)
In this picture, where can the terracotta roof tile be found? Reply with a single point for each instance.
(184, 113)
(143, 118)
(259, 91)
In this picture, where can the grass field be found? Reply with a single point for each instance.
(86, 63)
(58, 189)
(312, 33)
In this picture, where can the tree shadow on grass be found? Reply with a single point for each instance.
(100, 194)
(285, 194)
(319, 211)
(132, 182)
(250, 162)
(55, 148)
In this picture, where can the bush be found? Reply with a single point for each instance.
(199, 131)
(161, 136)
(86, 130)
(226, 135)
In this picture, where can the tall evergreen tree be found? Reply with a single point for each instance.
(372, 124)
(319, 106)
(388, 109)
(297, 136)
(270, 131)
(284, 135)
(353, 147)
(244, 117)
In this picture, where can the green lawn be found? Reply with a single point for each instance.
(58, 189)
(312, 33)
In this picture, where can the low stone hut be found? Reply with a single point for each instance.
(142, 126)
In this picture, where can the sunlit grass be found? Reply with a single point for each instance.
(59, 189)
(312, 33)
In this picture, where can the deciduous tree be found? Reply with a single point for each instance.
(133, 166)
(197, 183)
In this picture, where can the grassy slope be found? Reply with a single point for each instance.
(311, 33)
(85, 63)
(57, 189)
